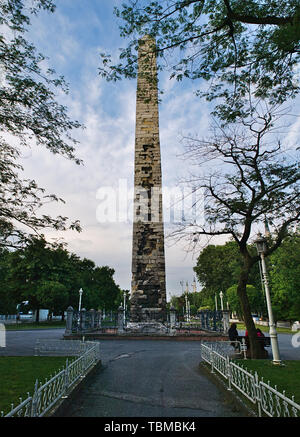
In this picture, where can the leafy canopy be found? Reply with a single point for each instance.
(238, 47)
(29, 115)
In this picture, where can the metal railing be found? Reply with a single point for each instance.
(61, 347)
(46, 395)
(267, 399)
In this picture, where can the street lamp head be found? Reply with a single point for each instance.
(81, 291)
(261, 244)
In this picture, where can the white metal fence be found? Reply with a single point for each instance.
(46, 395)
(267, 400)
(62, 347)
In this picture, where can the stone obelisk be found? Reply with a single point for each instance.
(148, 291)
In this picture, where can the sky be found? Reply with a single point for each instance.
(72, 38)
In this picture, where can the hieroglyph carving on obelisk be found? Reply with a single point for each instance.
(148, 292)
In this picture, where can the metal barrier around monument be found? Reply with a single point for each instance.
(82, 321)
(211, 320)
(89, 321)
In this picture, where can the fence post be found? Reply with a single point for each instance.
(212, 360)
(92, 312)
(172, 320)
(257, 393)
(82, 319)
(69, 321)
(225, 314)
(228, 372)
(120, 319)
(99, 318)
(35, 400)
(67, 376)
(214, 314)
(244, 349)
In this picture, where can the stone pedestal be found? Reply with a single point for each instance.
(146, 328)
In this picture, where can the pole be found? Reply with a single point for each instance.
(80, 294)
(124, 306)
(221, 298)
(186, 308)
(272, 330)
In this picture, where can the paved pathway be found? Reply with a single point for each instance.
(145, 378)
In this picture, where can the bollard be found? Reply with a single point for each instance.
(225, 314)
(92, 313)
(82, 319)
(99, 319)
(172, 321)
(120, 319)
(69, 321)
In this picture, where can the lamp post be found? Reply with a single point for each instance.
(124, 305)
(261, 247)
(187, 303)
(80, 296)
(221, 298)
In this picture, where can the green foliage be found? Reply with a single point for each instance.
(239, 47)
(218, 268)
(52, 295)
(255, 297)
(285, 279)
(196, 300)
(29, 115)
(48, 276)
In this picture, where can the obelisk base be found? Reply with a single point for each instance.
(146, 327)
(138, 313)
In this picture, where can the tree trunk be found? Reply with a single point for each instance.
(37, 317)
(255, 347)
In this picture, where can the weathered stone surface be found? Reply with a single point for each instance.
(148, 292)
(147, 327)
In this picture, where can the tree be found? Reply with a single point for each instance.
(29, 115)
(255, 297)
(218, 269)
(8, 301)
(250, 179)
(48, 276)
(53, 296)
(285, 279)
(240, 48)
(29, 269)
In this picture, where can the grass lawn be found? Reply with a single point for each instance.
(18, 376)
(34, 325)
(286, 377)
(263, 328)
